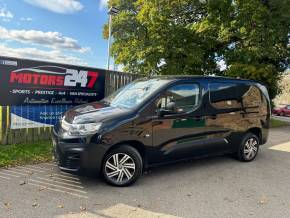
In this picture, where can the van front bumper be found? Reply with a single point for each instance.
(78, 155)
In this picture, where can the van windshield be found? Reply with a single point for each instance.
(135, 93)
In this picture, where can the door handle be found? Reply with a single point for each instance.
(198, 118)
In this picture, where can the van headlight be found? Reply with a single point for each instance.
(81, 129)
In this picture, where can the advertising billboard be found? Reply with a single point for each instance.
(39, 92)
(27, 82)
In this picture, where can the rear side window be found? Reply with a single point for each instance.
(224, 95)
(222, 91)
(231, 95)
(252, 98)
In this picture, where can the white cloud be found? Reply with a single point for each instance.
(34, 53)
(48, 39)
(58, 6)
(5, 14)
(26, 19)
(103, 4)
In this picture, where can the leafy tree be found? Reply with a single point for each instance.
(255, 38)
(194, 36)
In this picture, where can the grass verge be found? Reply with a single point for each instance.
(278, 123)
(28, 153)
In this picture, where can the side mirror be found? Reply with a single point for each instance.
(170, 106)
(170, 109)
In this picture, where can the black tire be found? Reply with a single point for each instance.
(250, 143)
(112, 166)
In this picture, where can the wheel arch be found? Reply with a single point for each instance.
(257, 132)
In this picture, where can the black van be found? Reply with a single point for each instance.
(160, 120)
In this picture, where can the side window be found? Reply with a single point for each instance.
(180, 98)
(252, 98)
(224, 95)
(288, 107)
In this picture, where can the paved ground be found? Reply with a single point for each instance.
(213, 187)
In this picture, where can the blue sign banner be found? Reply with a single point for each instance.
(32, 116)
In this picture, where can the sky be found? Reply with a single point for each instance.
(63, 31)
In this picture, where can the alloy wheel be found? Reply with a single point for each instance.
(120, 168)
(250, 148)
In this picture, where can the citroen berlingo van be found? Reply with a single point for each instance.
(158, 120)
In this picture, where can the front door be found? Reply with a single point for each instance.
(178, 125)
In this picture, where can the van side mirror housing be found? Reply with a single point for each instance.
(170, 109)
(171, 106)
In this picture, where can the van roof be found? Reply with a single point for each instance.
(184, 77)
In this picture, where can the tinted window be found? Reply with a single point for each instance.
(184, 97)
(230, 95)
(224, 95)
(222, 92)
(252, 98)
(288, 107)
